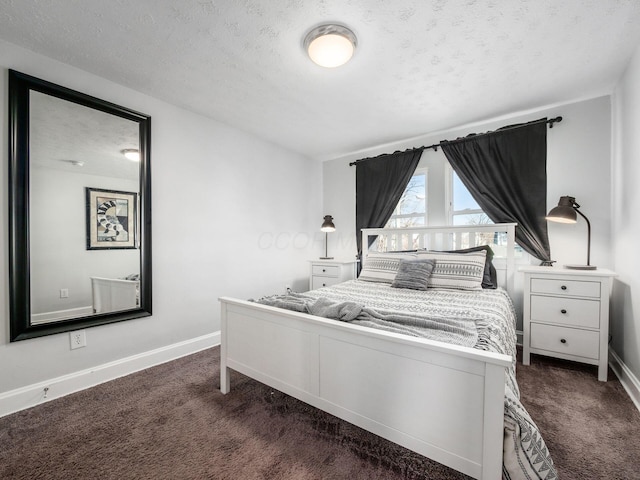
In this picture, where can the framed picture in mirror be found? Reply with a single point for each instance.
(111, 219)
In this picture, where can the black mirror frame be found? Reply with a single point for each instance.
(19, 263)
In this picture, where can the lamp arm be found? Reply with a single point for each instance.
(588, 234)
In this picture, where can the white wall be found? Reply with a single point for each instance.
(58, 254)
(578, 164)
(232, 215)
(625, 326)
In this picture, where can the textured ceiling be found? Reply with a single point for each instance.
(62, 132)
(421, 65)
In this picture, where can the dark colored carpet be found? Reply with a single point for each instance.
(171, 422)
(592, 428)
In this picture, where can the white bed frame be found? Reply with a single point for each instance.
(114, 294)
(442, 401)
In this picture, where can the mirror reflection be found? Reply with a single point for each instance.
(83, 210)
(79, 210)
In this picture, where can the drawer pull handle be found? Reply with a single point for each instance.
(563, 311)
(324, 285)
(323, 270)
(563, 287)
(563, 340)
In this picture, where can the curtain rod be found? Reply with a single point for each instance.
(436, 145)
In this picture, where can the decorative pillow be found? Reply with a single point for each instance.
(414, 274)
(459, 271)
(382, 267)
(490, 276)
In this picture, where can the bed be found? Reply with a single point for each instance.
(447, 401)
(115, 294)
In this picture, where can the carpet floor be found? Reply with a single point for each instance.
(171, 422)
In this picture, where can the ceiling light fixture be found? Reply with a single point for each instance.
(132, 154)
(330, 45)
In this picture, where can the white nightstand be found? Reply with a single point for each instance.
(566, 315)
(329, 272)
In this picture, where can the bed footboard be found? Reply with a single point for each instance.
(442, 401)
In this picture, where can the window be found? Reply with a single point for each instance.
(421, 203)
(412, 208)
(445, 201)
(464, 209)
(439, 198)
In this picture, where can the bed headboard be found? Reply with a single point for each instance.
(501, 237)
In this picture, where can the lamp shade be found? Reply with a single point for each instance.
(330, 45)
(327, 225)
(564, 212)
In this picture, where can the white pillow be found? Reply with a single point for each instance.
(383, 267)
(458, 271)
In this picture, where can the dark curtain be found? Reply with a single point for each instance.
(380, 182)
(506, 173)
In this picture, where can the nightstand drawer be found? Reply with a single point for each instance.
(326, 270)
(569, 341)
(571, 288)
(566, 311)
(319, 282)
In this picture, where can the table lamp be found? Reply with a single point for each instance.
(565, 212)
(327, 226)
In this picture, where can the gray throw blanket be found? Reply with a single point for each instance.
(322, 307)
(442, 329)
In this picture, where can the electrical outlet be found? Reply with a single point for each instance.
(78, 339)
(64, 293)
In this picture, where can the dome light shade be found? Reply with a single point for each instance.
(330, 46)
(132, 154)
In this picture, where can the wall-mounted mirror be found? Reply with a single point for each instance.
(80, 210)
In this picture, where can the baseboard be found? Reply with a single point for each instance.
(628, 380)
(32, 395)
(48, 317)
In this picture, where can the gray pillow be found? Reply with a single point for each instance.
(414, 274)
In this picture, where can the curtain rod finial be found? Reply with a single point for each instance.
(554, 120)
